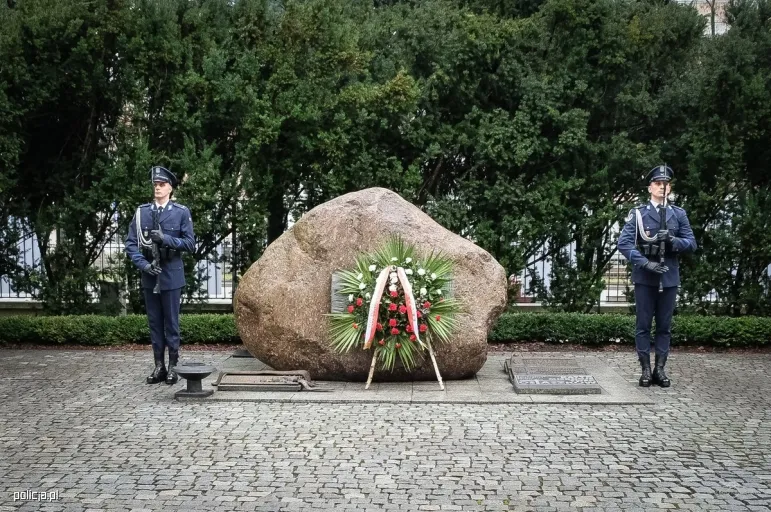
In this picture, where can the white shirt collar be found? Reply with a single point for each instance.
(163, 206)
(655, 204)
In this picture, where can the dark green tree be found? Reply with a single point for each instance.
(726, 153)
(64, 87)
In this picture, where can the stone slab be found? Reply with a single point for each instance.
(546, 361)
(556, 384)
(262, 380)
(550, 376)
(490, 386)
(546, 370)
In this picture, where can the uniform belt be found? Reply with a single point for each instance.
(652, 249)
(166, 253)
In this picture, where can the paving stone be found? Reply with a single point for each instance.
(106, 441)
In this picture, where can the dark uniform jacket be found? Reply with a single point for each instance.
(177, 227)
(630, 244)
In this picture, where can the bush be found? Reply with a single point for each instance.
(600, 329)
(579, 328)
(92, 330)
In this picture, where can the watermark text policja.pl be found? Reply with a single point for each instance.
(35, 495)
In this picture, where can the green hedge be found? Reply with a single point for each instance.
(111, 330)
(608, 328)
(511, 327)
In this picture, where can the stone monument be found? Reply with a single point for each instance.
(282, 300)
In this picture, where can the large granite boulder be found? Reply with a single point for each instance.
(282, 299)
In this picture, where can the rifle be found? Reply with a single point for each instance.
(156, 252)
(663, 243)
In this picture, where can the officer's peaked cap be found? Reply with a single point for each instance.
(660, 173)
(158, 173)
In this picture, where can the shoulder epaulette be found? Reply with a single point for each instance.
(182, 206)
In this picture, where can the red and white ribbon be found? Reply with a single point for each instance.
(409, 299)
(374, 307)
(377, 294)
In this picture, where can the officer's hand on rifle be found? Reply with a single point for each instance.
(664, 236)
(151, 269)
(156, 236)
(656, 268)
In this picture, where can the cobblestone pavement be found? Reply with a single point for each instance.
(85, 425)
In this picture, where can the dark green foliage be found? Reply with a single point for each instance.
(93, 330)
(607, 329)
(726, 154)
(574, 328)
(514, 123)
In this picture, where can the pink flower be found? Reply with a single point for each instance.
(423, 328)
(412, 337)
(392, 322)
(394, 294)
(395, 331)
(350, 309)
(359, 302)
(392, 307)
(402, 309)
(438, 317)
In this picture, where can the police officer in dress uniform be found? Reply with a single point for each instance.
(173, 234)
(655, 283)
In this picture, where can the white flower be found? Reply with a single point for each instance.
(394, 259)
(350, 298)
(423, 291)
(393, 276)
(372, 268)
(408, 260)
(368, 296)
(433, 276)
(359, 276)
(438, 291)
(362, 286)
(392, 288)
(408, 271)
(421, 272)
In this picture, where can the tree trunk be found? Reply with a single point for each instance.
(276, 215)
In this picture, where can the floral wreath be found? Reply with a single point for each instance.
(395, 303)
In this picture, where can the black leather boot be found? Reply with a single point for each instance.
(659, 375)
(159, 373)
(172, 377)
(645, 378)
